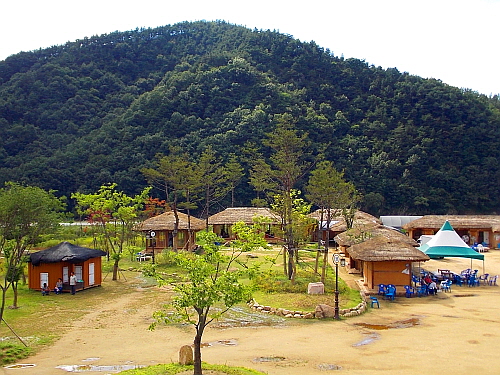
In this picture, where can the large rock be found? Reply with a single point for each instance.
(324, 311)
(186, 355)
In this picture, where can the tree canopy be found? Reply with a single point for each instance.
(97, 110)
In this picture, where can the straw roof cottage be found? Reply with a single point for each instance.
(386, 259)
(337, 222)
(472, 228)
(380, 254)
(222, 222)
(163, 226)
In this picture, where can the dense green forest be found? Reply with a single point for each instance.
(98, 110)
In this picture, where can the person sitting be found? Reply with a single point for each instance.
(45, 289)
(59, 286)
(432, 288)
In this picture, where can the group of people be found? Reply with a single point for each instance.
(59, 286)
(431, 284)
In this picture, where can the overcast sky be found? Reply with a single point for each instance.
(456, 41)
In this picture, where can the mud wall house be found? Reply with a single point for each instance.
(47, 266)
(386, 260)
(337, 223)
(472, 228)
(223, 221)
(164, 225)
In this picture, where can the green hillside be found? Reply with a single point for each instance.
(97, 110)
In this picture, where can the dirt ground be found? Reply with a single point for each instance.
(455, 332)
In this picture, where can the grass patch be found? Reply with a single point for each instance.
(173, 368)
(11, 353)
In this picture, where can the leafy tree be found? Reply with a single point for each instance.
(26, 213)
(115, 214)
(299, 226)
(214, 179)
(209, 290)
(176, 175)
(332, 194)
(287, 165)
(234, 174)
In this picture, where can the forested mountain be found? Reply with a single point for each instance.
(97, 110)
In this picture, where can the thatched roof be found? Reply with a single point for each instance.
(338, 222)
(382, 248)
(362, 233)
(166, 221)
(457, 221)
(65, 252)
(245, 214)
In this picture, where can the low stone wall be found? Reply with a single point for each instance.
(321, 311)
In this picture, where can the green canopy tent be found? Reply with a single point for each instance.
(447, 243)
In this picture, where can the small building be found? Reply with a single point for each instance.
(337, 223)
(47, 266)
(386, 260)
(163, 227)
(362, 233)
(223, 221)
(483, 229)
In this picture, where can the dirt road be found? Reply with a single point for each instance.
(456, 333)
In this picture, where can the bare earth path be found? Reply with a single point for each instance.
(456, 333)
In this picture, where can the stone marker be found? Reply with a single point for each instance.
(316, 288)
(186, 355)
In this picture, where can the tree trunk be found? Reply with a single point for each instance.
(176, 225)
(115, 269)
(285, 268)
(197, 344)
(14, 289)
(323, 269)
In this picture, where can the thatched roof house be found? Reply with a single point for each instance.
(360, 234)
(386, 248)
(245, 214)
(338, 224)
(472, 228)
(163, 227)
(223, 221)
(386, 260)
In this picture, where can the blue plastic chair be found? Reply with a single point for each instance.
(390, 293)
(473, 281)
(484, 278)
(409, 291)
(374, 301)
(422, 291)
(457, 279)
(381, 289)
(446, 285)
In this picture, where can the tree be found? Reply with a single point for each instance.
(26, 213)
(209, 290)
(234, 174)
(298, 226)
(287, 165)
(214, 179)
(175, 173)
(328, 190)
(115, 214)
